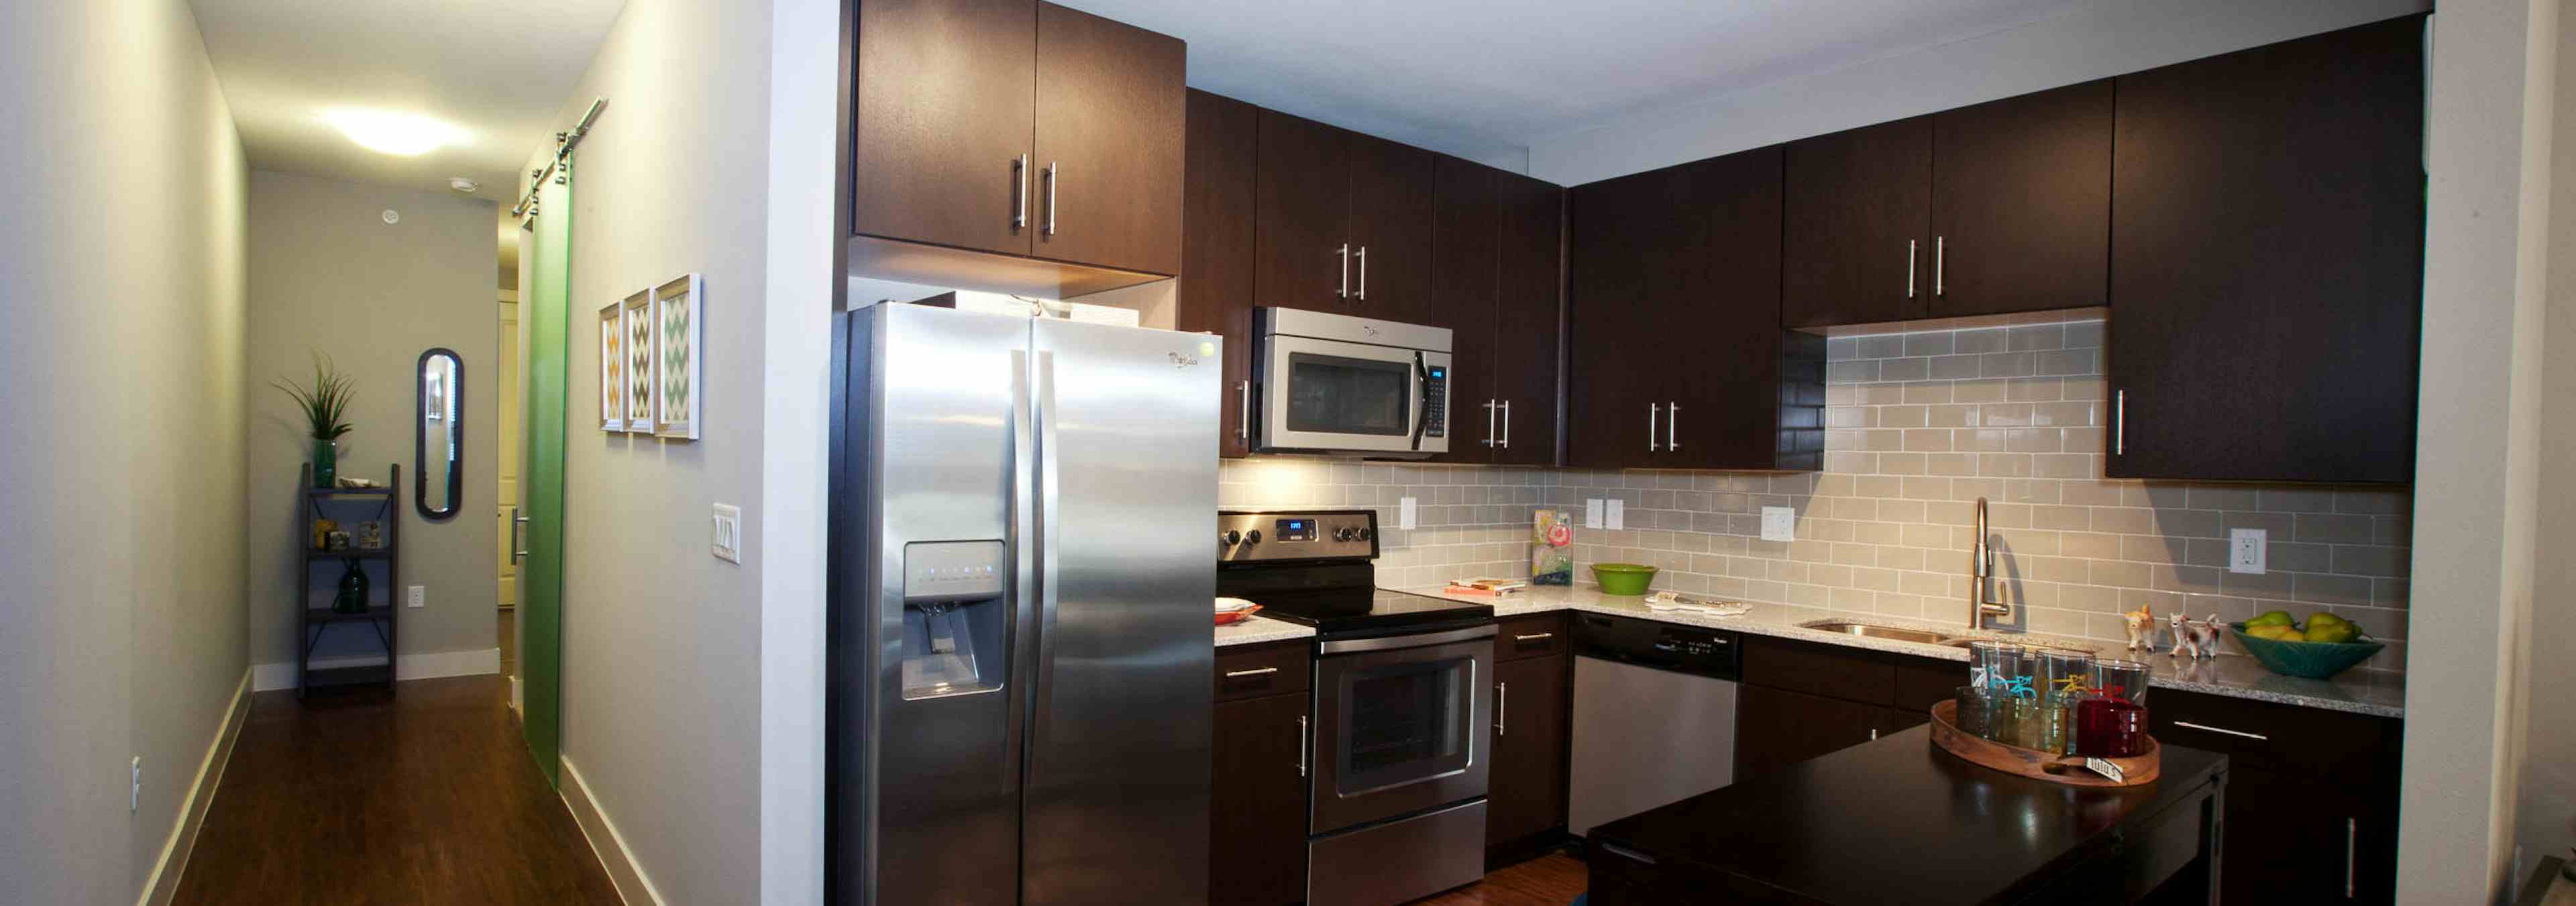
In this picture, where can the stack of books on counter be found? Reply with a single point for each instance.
(1486, 587)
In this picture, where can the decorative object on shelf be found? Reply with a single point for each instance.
(2196, 638)
(1551, 543)
(676, 357)
(438, 435)
(322, 529)
(325, 406)
(2142, 628)
(347, 483)
(612, 368)
(371, 535)
(336, 541)
(638, 324)
(2071, 770)
(353, 589)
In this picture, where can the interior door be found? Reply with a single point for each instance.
(1857, 232)
(1302, 211)
(946, 106)
(546, 327)
(1110, 111)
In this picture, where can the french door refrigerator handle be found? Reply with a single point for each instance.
(1022, 527)
(1049, 521)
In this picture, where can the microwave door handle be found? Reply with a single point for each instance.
(1421, 399)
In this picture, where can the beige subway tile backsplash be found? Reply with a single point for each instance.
(1919, 425)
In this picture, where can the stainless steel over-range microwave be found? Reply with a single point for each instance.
(1354, 386)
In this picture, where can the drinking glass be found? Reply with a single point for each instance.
(2063, 674)
(2110, 727)
(2126, 680)
(1989, 662)
(1976, 711)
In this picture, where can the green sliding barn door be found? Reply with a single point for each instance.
(546, 329)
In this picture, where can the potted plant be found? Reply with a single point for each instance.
(324, 405)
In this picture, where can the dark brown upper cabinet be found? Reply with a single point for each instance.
(1497, 248)
(2267, 260)
(1858, 225)
(2021, 203)
(1110, 138)
(1693, 250)
(1014, 145)
(1345, 222)
(1215, 289)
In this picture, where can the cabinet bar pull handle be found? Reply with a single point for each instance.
(1301, 745)
(516, 520)
(1672, 426)
(1502, 702)
(1507, 424)
(2120, 423)
(1873, 734)
(1055, 187)
(2351, 830)
(1535, 636)
(1909, 268)
(1230, 674)
(2256, 736)
(1363, 256)
(1489, 423)
(1345, 291)
(1940, 263)
(1653, 412)
(1243, 412)
(1020, 193)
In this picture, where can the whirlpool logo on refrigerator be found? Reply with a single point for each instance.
(1185, 360)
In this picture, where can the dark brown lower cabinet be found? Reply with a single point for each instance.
(1776, 728)
(2311, 796)
(1257, 831)
(1527, 784)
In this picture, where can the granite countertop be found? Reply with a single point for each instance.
(2373, 692)
(1261, 629)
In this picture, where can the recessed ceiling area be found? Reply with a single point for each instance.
(1485, 79)
(495, 70)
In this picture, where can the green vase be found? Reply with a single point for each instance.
(326, 462)
(353, 590)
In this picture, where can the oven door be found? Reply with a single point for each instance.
(1327, 395)
(1400, 724)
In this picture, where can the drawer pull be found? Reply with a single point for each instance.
(1626, 853)
(2351, 831)
(2253, 736)
(1230, 674)
(1535, 636)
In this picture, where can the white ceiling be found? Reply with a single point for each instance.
(1485, 79)
(500, 69)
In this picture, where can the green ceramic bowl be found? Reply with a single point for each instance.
(2314, 660)
(1623, 578)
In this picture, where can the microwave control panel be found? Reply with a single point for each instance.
(1435, 401)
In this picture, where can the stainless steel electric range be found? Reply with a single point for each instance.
(1403, 688)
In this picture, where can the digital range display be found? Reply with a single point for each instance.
(1295, 530)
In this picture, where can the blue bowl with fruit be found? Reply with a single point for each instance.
(2324, 646)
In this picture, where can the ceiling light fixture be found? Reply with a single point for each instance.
(464, 185)
(402, 134)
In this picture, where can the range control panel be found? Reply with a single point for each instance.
(1243, 536)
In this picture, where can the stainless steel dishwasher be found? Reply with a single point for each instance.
(1654, 715)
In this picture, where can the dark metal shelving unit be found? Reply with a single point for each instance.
(383, 618)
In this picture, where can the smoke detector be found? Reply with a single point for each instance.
(464, 185)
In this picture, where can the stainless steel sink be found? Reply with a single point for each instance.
(1873, 631)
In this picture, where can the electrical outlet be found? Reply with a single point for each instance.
(727, 543)
(417, 597)
(1406, 513)
(1614, 514)
(134, 802)
(1779, 523)
(2245, 548)
(1592, 512)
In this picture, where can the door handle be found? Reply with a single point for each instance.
(1532, 637)
(1230, 674)
(1672, 426)
(2351, 844)
(1020, 193)
(1363, 256)
(1243, 411)
(1940, 264)
(1489, 422)
(1502, 704)
(1345, 291)
(1507, 424)
(2253, 736)
(1055, 187)
(1302, 743)
(2120, 423)
(1873, 734)
(1909, 268)
(1653, 411)
(516, 551)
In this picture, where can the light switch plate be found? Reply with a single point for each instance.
(1592, 512)
(1405, 513)
(416, 597)
(1779, 523)
(728, 533)
(1614, 514)
(2245, 549)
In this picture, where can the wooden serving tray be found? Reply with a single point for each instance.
(2033, 763)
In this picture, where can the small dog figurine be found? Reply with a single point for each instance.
(2142, 628)
(2199, 638)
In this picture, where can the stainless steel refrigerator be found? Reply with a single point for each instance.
(1020, 655)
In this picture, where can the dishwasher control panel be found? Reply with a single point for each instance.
(1712, 653)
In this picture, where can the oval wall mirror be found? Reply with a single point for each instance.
(438, 445)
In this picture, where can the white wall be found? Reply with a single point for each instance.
(2547, 812)
(122, 619)
(328, 275)
(2094, 39)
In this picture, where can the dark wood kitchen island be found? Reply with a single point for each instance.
(1901, 821)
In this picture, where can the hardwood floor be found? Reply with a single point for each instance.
(427, 796)
(1554, 879)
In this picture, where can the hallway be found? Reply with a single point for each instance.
(425, 797)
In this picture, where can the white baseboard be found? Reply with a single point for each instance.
(163, 883)
(431, 665)
(632, 886)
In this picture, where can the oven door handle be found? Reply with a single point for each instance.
(1389, 643)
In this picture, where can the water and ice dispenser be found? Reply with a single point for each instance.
(955, 607)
